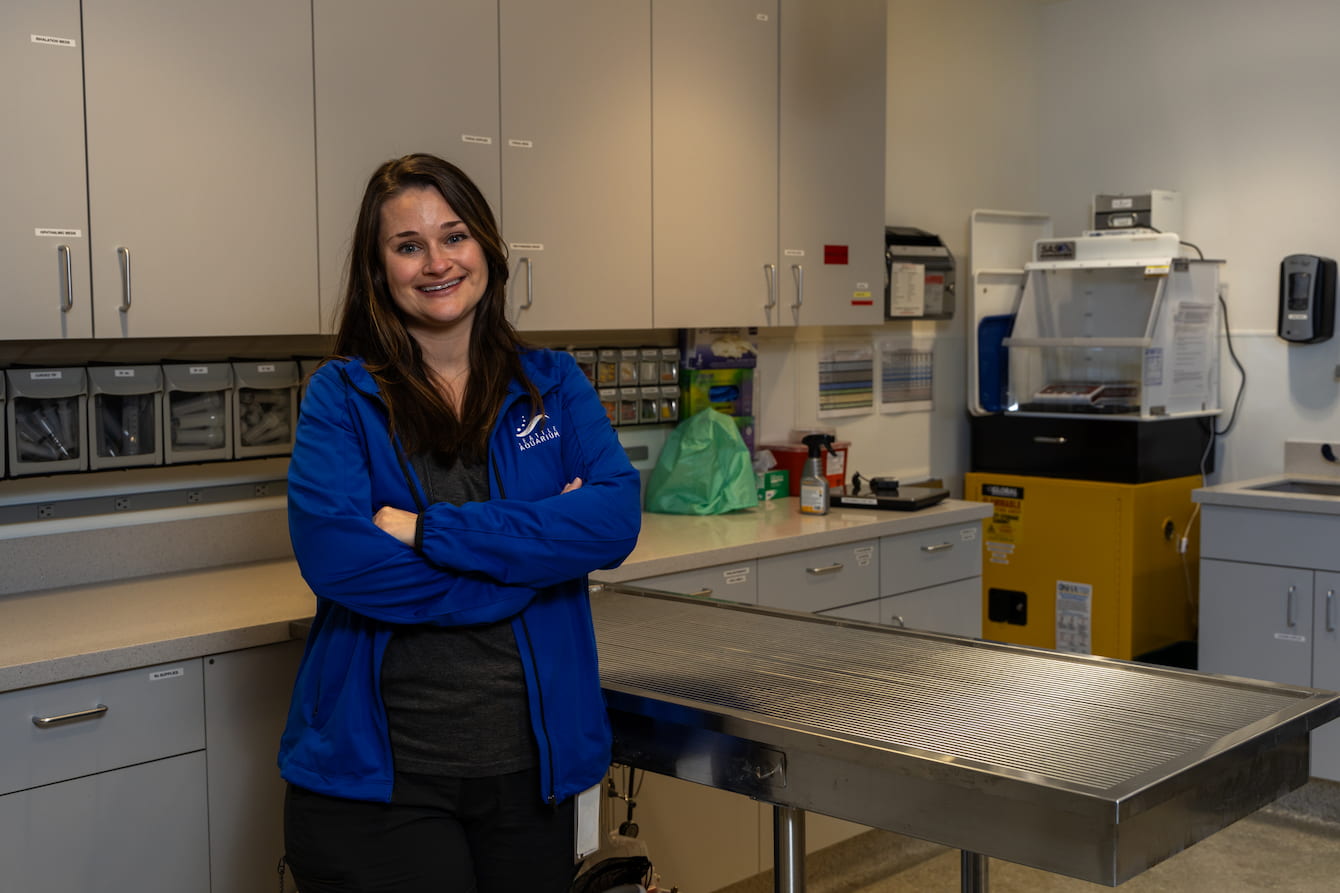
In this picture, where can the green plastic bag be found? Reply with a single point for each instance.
(704, 469)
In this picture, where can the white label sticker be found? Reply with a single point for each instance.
(57, 233)
(198, 370)
(521, 144)
(1074, 617)
(1290, 637)
(736, 575)
(45, 375)
(481, 140)
(173, 673)
(123, 373)
(762, 16)
(968, 534)
(526, 246)
(588, 821)
(266, 367)
(54, 41)
(863, 286)
(794, 252)
(1123, 203)
(864, 555)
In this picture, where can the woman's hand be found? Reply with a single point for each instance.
(397, 522)
(574, 484)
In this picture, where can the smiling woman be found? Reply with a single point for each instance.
(450, 488)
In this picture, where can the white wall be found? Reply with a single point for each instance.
(962, 133)
(1234, 104)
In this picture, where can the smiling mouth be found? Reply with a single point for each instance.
(448, 284)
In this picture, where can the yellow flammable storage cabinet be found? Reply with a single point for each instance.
(1090, 567)
(1091, 421)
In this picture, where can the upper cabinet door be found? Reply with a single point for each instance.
(202, 199)
(44, 227)
(832, 162)
(714, 149)
(395, 78)
(576, 162)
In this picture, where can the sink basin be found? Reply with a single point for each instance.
(1307, 488)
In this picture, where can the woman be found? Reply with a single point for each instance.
(449, 490)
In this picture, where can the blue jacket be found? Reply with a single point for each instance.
(524, 555)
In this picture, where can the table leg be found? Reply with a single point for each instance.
(974, 872)
(788, 849)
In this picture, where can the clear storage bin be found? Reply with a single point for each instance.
(197, 426)
(124, 406)
(265, 408)
(45, 420)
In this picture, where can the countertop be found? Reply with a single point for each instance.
(1242, 494)
(59, 634)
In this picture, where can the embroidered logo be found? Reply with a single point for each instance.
(527, 436)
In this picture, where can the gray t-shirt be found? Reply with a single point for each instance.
(456, 696)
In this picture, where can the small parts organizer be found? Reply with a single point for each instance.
(118, 416)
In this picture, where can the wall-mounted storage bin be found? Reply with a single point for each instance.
(265, 408)
(125, 404)
(4, 426)
(197, 424)
(45, 415)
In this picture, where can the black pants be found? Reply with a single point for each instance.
(438, 835)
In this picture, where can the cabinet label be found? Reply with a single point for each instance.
(521, 144)
(54, 41)
(1074, 613)
(158, 675)
(265, 367)
(794, 252)
(526, 246)
(123, 373)
(45, 375)
(198, 370)
(52, 232)
(1290, 637)
(480, 140)
(736, 575)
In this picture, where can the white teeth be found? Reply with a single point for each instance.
(443, 285)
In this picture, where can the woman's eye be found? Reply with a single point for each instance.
(407, 248)
(456, 237)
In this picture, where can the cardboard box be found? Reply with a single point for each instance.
(735, 348)
(775, 484)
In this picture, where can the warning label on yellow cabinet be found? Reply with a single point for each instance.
(1006, 522)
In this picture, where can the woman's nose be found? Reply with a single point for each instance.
(436, 259)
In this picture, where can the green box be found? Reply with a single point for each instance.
(775, 484)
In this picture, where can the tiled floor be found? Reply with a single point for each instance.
(1291, 846)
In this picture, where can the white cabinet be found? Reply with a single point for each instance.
(201, 167)
(768, 190)
(44, 231)
(1270, 605)
(394, 78)
(576, 162)
(932, 580)
(817, 579)
(246, 702)
(735, 582)
(103, 784)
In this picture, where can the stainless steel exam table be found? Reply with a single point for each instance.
(1088, 767)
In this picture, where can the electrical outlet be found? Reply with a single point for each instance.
(121, 504)
(262, 489)
(193, 496)
(46, 511)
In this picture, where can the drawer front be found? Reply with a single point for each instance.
(151, 713)
(816, 579)
(731, 582)
(1262, 536)
(930, 557)
(953, 608)
(867, 612)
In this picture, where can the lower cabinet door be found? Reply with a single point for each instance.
(954, 608)
(141, 828)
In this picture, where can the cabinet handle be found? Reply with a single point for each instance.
(530, 283)
(701, 593)
(1042, 438)
(43, 722)
(67, 267)
(770, 274)
(938, 547)
(123, 254)
(1288, 608)
(830, 569)
(897, 620)
(1330, 616)
(798, 273)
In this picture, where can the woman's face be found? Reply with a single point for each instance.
(435, 268)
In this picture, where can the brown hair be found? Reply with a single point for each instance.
(372, 327)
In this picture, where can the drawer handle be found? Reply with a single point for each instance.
(897, 620)
(1330, 614)
(938, 547)
(1288, 608)
(701, 593)
(44, 722)
(830, 569)
(1042, 438)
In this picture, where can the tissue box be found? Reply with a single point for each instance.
(718, 348)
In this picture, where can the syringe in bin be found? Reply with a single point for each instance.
(46, 429)
(198, 420)
(264, 416)
(127, 424)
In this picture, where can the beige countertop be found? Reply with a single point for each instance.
(58, 634)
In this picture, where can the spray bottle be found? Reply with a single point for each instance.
(813, 483)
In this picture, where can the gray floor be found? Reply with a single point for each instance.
(1291, 846)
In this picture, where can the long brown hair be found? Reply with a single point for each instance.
(372, 327)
